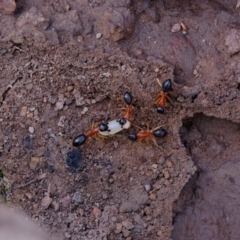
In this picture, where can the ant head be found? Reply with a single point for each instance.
(160, 133)
(133, 136)
(167, 86)
(160, 110)
(103, 127)
(122, 121)
(79, 140)
(128, 98)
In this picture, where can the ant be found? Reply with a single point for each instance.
(110, 128)
(163, 96)
(157, 132)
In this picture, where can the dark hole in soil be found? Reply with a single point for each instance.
(208, 207)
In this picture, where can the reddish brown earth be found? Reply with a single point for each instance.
(66, 64)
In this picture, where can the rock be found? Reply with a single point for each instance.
(23, 112)
(176, 28)
(66, 201)
(35, 161)
(55, 206)
(128, 206)
(85, 109)
(98, 35)
(118, 22)
(153, 197)
(32, 18)
(126, 233)
(60, 102)
(7, 6)
(74, 158)
(61, 121)
(148, 187)
(69, 21)
(162, 160)
(31, 130)
(77, 198)
(127, 224)
(28, 142)
(79, 100)
(118, 228)
(96, 212)
(46, 201)
(67, 235)
(232, 40)
(147, 210)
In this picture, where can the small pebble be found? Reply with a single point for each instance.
(66, 201)
(31, 130)
(98, 35)
(153, 197)
(74, 158)
(46, 201)
(176, 28)
(148, 187)
(127, 224)
(77, 198)
(67, 235)
(85, 109)
(96, 212)
(126, 233)
(118, 228)
(23, 111)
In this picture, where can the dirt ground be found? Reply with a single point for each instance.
(66, 64)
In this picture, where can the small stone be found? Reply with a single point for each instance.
(156, 70)
(98, 35)
(31, 130)
(74, 158)
(60, 102)
(162, 160)
(7, 6)
(29, 196)
(160, 233)
(127, 224)
(118, 228)
(23, 111)
(67, 235)
(148, 187)
(46, 201)
(85, 109)
(147, 210)
(66, 201)
(167, 175)
(77, 198)
(93, 101)
(153, 197)
(70, 88)
(61, 121)
(55, 206)
(176, 28)
(126, 233)
(96, 212)
(80, 38)
(154, 166)
(34, 162)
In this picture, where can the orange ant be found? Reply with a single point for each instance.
(157, 132)
(161, 102)
(110, 128)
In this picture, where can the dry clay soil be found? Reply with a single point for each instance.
(66, 65)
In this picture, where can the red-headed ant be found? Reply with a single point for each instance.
(163, 96)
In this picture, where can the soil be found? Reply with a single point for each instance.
(65, 65)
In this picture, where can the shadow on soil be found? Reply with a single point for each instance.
(208, 205)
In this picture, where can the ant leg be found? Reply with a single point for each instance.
(157, 128)
(159, 83)
(155, 142)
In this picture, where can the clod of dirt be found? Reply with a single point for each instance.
(233, 40)
(74, 158)
(118, 22)
(7, 6)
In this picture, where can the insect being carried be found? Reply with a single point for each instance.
(110, 128)
(163, 96)
(157, 132)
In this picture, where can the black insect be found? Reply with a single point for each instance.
(79, 140)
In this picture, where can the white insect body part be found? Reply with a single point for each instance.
(114, 127)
